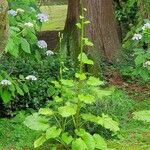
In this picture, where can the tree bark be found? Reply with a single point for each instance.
(71, 35)
(3, 25)
(102, 30)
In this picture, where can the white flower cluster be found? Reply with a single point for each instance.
(146, 64)
(5, 82)
(29, 24)
(12, 12)
(42, 17)
(137, 37)
(146, 26)
(42, 44)
(31, 77)
(49, 53)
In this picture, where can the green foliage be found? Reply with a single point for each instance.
(25, 58)
(138, 66)
(142, 115)
(16, 86)
(65, 113)
(22, 37)
(36, 122)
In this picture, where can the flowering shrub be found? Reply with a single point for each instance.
(140, 53)
(24, 18)
(9, 87)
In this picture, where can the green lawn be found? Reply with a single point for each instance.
(14, 135)
(57, 17)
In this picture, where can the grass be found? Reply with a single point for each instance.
(57, 17)
(57, 2)
(134, 135)
(14, 135)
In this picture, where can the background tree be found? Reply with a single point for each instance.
(102, 30)
(3, 25)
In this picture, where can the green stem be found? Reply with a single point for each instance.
(57, 121)
(21, 32)
(81, 67)
(61, 59)
(82, 36)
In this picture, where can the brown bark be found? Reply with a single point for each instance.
(3, 25)
(71, 35)
(102, 31)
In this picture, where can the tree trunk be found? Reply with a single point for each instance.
(3, 25)
(71, 35)
(102, 31)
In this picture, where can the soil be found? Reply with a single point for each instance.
(134, 89)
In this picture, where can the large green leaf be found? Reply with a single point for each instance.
(87, 138)
(66, 111)
(46, 111)
(87, 42)
(6, 96)
(139, 60)
(101, 93)
(53, 132)
(94, 81)
(80, 76)
(85, 59)
(37, 122)
(51, 91)
(19, 90)
(40, 141)
(100, 142)
(104, 121)
(110, 124)
(142, 115)
(89, 117)
(88, 99)
(79, 144)
(12, 48)
(25, 45)
(25, 88)
(67, 82)
(67, 138)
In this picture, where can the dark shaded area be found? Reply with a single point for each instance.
(51, 37)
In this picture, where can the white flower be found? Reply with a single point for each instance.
(5, 82)
(146, 26)
(146, 64)
(31, 77)
(42, 44)
(20, 10)
(42, 17)
(29, 24)
(49, 52)
(12, 12)
(137, 37)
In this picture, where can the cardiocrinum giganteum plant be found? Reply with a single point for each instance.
(63, 121)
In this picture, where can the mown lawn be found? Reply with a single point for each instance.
(57, 16)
